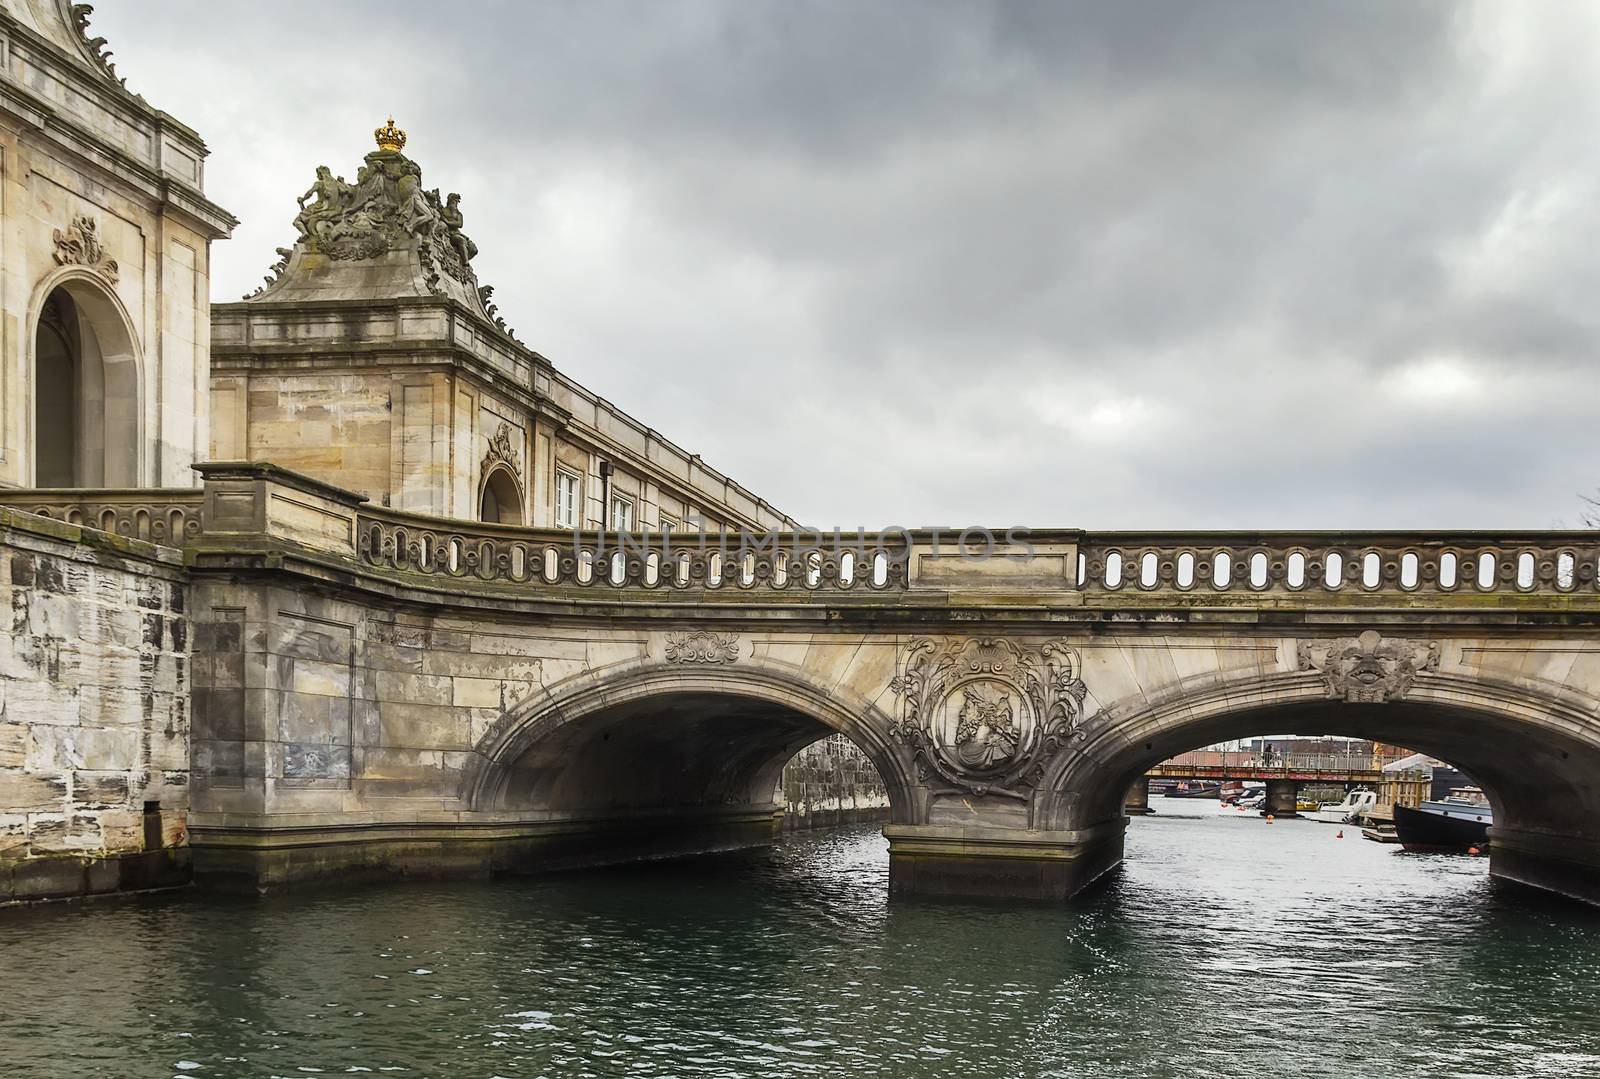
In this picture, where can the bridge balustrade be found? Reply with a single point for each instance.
(1440, 563)
(170, 516)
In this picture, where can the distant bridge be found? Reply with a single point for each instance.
(1368, 776)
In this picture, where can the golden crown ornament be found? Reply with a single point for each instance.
(390, 138)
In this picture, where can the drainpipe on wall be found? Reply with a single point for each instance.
(605, 495)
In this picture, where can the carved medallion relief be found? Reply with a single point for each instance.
(985, 714)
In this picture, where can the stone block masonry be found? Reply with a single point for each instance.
(94, 712)
(830, 783)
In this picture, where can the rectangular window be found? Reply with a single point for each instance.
(668, 525)
(621, 514)
(566, 500)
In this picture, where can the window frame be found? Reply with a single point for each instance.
(577, 498)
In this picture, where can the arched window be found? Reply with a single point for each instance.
(501, 502)
(85, 391)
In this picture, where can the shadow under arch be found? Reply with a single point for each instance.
(1536, 754)
(671, 738)
(108, 399)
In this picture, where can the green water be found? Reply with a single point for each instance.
(1225, 947)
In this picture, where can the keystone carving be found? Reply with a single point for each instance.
(502, 451)
(702, 646)
(1368, 669)
(79, 245)
(985, 714)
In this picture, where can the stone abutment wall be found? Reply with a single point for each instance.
(94, 712)
(830, 783)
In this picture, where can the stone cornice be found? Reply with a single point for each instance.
(39, 114)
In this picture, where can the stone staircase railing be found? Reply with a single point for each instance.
(169, 516)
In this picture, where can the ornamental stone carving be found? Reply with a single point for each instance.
(79, 245)
(702, 646)
(985, 714)
(502, 450)
(1368, 669)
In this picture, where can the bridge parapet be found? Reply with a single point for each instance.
(1320, 565)
(1072, 568)
(168, 516)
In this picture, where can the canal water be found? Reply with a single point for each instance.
(1227, 946)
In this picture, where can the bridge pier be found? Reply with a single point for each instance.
(1283, 798)
(1137, 802)
(1000, 863)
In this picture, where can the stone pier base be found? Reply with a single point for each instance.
(264, 858)
(1137, 802)
(999, 863)
(1564, 865)
(1283, 798)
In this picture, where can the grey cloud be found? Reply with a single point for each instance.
(1118, 265)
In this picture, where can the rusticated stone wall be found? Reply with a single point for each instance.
(830, 783)
(94, 712)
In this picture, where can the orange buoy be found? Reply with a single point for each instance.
(1340, 835)
(1474, 851)
(1270, 818)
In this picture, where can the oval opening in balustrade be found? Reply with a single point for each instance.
(1295, 570)
(1258, 570)
(880, 570)
(1566, 571)
(714, 569)
(652, 568)
(847, 569)
(681, 569)
(1186, 569)
(1083, 569)
(1114, 570)
(1486, 562)
(1449, 567)
(1410, 570)
(1149, 566)
(747, 569)
(780, 569)
(519, 562)
(1371, 570)
(457, 555)
(1221, 570)
(1333, 571)
(1525, 571)
(619, 568)
(585, 566)
(552, 565)
(813, 568)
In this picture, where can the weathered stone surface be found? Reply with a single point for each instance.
(92, 729)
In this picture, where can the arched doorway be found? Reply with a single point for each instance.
(501, 501)
(86, 399)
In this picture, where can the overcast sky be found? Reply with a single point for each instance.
(1109, 265)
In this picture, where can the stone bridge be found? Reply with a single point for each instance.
(380, 693)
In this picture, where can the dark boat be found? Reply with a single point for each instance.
(1451, 825)
(1186, 789)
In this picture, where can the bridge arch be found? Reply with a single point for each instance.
(1535, 752)
(661, 738)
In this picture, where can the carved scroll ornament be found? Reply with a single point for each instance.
(702, 646)
(502, 450)
(985, 714)
(79, 245)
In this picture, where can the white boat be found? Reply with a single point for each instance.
(1355, 802)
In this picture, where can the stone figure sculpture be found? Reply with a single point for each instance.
(387, 209)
